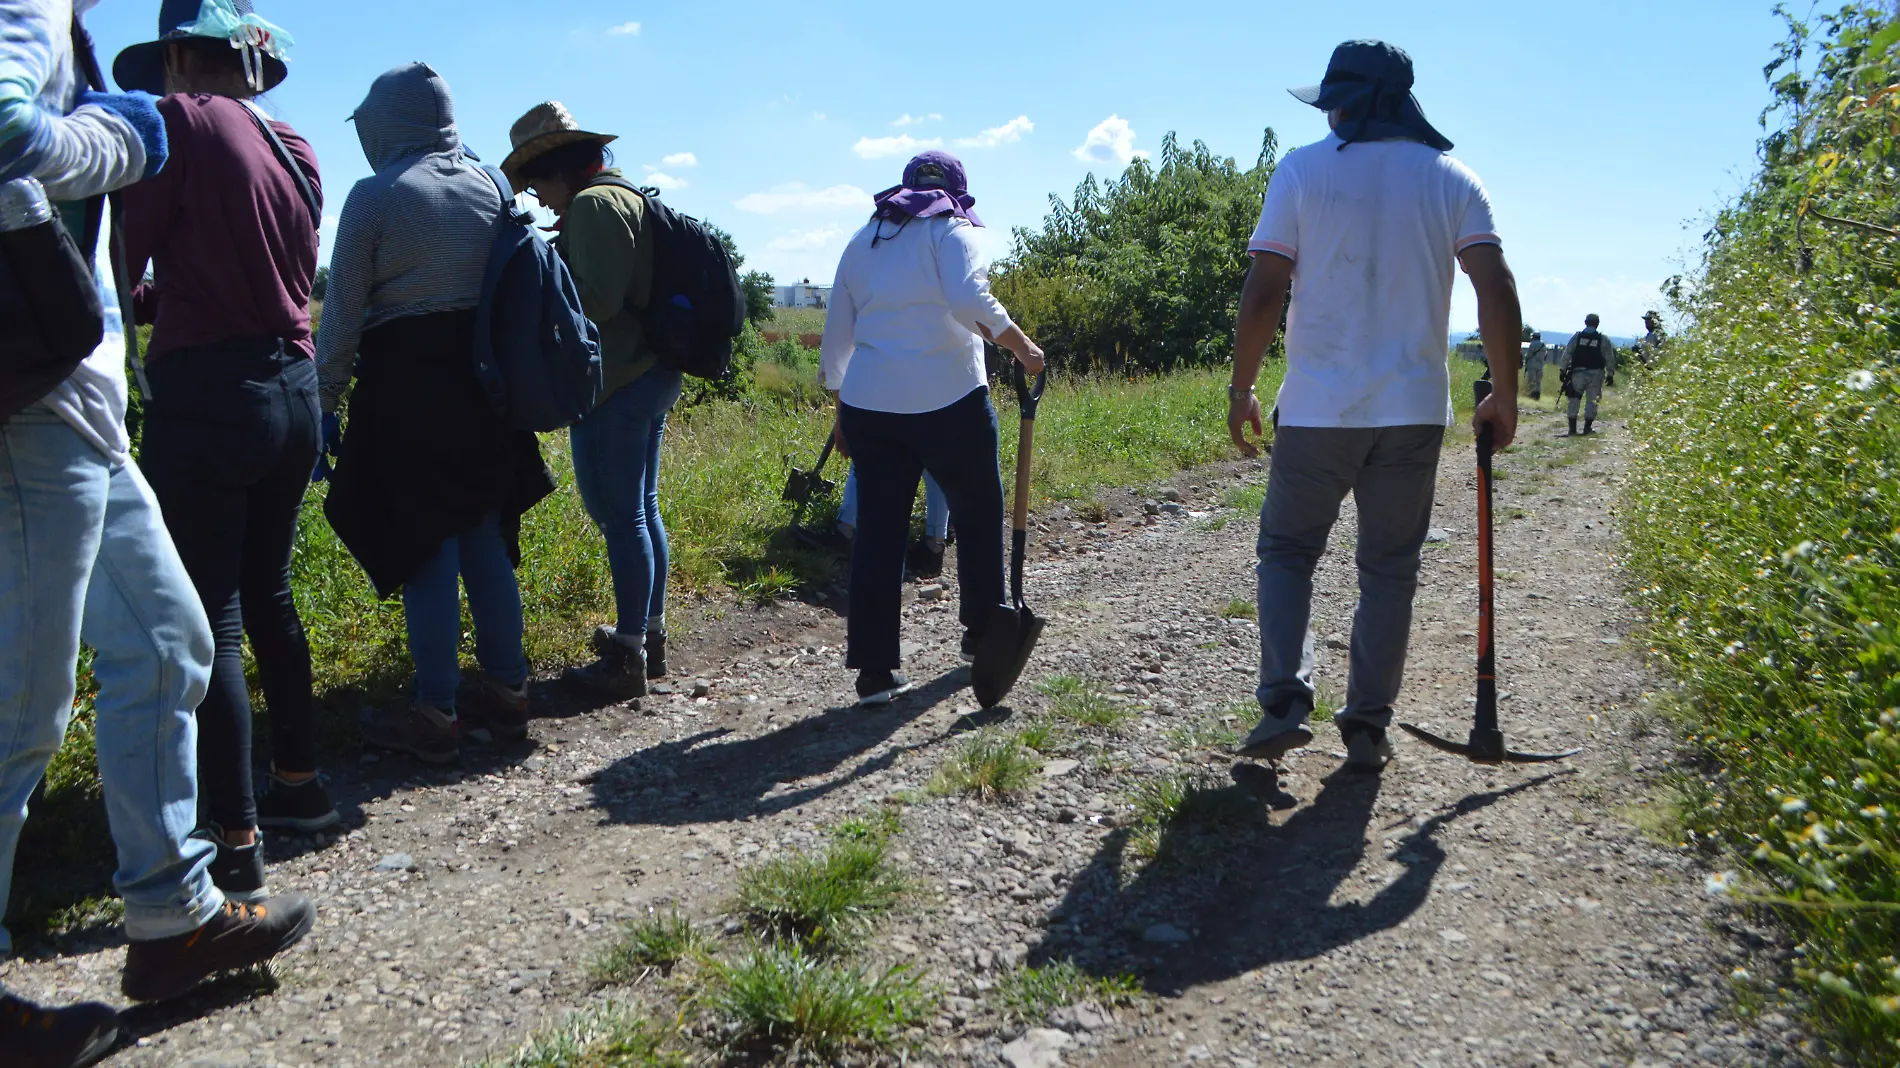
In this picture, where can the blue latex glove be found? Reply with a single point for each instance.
(140, 111)
(332, 441)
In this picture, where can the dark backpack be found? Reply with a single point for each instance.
(537, 355)
(697, 307)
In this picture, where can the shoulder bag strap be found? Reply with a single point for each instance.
(289, 161)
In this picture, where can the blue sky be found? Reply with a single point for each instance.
(1606, 132)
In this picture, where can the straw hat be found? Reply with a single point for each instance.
(545, 126)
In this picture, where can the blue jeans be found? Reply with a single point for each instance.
(432, 610)
(617, 471)
(936, 506)
(84, 555)
(1391, 473)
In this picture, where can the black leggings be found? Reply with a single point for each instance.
(231, 434)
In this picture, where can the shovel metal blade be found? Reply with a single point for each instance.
(1484, 747)
(1003, 653)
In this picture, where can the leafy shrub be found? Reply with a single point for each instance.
(1764, 516)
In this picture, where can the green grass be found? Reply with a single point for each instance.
(988, 764)
(880, 825)
(797, 320)
(1763, 515)
(1239, 609)
(1221, 732)
(1083, 702)
(1041, 736)
(657, 943)
(779, 999)
(611, 1036)
(1177, 817)
(824, 901)
(1249, 499)
(1030, 994)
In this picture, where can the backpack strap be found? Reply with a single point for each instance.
(289, 161)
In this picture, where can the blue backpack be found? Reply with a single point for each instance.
(537, 355)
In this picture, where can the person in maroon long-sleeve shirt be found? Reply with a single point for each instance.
(232, 427)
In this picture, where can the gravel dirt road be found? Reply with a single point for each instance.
(1441, 914)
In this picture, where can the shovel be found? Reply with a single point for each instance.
(802, 486)
(1013, 629)
(1486, 744)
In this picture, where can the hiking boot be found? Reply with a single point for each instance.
(237, 937)
(1279, 732)
(428, 733)
(1536, 396)
(1367, 747)
(303, 807)
(495, 713)
(621, 671)
(1573, 429)
(925, 558)
(1587, 424)
(879, 688)
(69, 1037)
(656, 654)
(237, 871)
(972, 641)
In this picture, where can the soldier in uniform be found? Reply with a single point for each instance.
(1649, 349)
(1588, 360)
(1535, 354)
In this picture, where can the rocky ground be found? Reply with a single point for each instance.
(1440, 914)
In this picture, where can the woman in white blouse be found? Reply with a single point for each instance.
(903, 354)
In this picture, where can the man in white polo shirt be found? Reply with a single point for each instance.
(1366, 226)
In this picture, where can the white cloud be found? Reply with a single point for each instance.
(805, 240)
(1112, 141)
(659, 179)
(797, 196)
(901, 145)
(625, 29)
(907, 119)
(818, 115)
(680, 159)
(1007, 134)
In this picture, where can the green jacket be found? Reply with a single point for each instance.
(608, 243)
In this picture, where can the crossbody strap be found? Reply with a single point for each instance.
(290, 163)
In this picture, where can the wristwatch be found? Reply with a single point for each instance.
(1234, 393)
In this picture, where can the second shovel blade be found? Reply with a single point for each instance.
(1003, 653)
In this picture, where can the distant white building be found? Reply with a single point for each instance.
(803, 295)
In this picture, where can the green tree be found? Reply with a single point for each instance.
(758, 286)
(1143, 272)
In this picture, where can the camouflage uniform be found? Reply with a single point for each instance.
(1649, 349)
(1586, 383)
(1534, 359)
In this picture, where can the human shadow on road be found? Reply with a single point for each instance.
(712, 777)
(1251, 903)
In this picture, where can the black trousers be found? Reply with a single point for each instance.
(891, 452)
(231, 434)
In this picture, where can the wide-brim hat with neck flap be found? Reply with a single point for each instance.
(264, 47)
(546, 126)
(1374, 80)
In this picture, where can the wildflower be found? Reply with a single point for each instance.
(1720, 884)
(1890, 1006)
(1740, 975)
(1793, 806)
(1874, 812)
(1861, 381)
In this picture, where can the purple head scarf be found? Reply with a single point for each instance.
(934, 184)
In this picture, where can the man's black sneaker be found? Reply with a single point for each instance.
(70, 1037)
(656, 654)
(878, 688)
(237, 937)
(303, 807)
(237, 871)
(972, 641)
(619, 673)
(1367, 747)
(925, 558)
(1280, 731)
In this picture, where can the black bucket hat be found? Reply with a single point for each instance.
(264, 46)
(1373, 79)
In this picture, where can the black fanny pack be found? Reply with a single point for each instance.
(51, 314)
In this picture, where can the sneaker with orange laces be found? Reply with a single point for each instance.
(238, 937)
(69, 1037)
